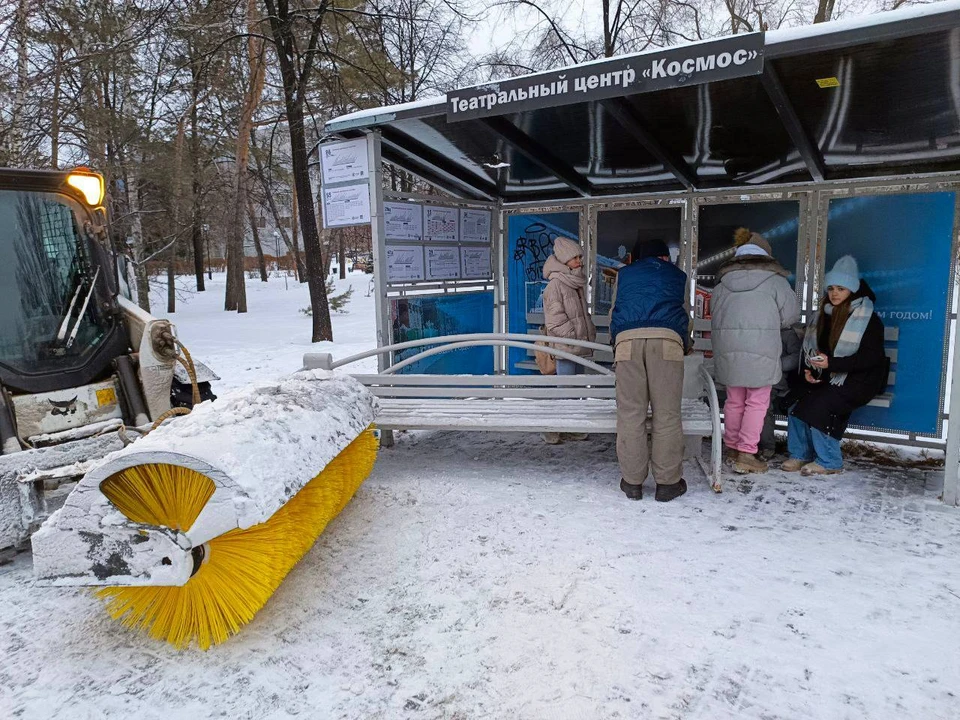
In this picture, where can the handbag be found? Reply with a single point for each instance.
(546, 362)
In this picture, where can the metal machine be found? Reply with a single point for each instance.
(80, 362)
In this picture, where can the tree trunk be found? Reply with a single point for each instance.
(236, 295)
(171, 279)
(55, 111)
(196, 233)
(295, 85)
(607, 34)
(295, 232)
(342, 257)
(23, 80)
(261, 261)
(824, 11)
(136, 233)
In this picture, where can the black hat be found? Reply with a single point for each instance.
(650, 248)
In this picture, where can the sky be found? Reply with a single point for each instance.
(499, 25)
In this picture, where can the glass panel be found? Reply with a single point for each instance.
(778, 222)
(902, 244)
(892, 105)
(530, 239)
(728, 132)
(617, 232)
(49, 318)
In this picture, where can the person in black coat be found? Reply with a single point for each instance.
(844, 368)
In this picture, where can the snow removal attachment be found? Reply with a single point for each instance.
(192, 528)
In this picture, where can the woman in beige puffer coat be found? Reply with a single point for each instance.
(565, 302)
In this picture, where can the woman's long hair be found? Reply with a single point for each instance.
(838, 318)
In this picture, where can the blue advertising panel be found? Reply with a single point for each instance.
(903, 246)
(426, 316)
(530, 239)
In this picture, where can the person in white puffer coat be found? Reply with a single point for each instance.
(751, 304)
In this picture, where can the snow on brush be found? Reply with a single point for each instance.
(493, 576)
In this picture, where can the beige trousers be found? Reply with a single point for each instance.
(649, 372)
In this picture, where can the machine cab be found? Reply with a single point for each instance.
(59, 326)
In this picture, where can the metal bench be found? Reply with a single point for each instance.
(522, 403)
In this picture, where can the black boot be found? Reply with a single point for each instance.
(666, 493)
(634, 492)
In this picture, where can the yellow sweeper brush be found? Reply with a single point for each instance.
(192, 528)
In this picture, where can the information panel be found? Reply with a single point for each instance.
(441, 224)
(474, 226)
(404, 263)
(344, 161)
(443, 263)
(475, 262)
(346, 205)
(403, 221)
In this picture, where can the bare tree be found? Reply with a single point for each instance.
(296, 65)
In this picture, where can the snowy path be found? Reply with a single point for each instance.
(493, 576)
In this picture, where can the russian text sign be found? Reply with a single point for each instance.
(723, 59)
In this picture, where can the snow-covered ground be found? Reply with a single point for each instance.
(272, 336)
(493, 576)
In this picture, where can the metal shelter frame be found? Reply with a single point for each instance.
(415, 137)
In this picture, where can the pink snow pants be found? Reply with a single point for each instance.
(743, 415)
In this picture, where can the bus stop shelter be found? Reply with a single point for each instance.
(833, 139)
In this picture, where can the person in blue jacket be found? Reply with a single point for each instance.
(650, 331)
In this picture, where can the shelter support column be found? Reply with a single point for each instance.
(376, 243)
(379, 260)
(951, 463)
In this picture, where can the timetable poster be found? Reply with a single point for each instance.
(403, 221)
(474, 226)
(344, 161)
(476, 262)
(404, 263)
(443, 263)
(441, 224)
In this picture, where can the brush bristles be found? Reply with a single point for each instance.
(243, 568)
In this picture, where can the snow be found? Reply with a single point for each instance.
(802, 32)
(386, 113)
(481, 575)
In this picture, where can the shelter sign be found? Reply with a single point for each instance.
(722, 59)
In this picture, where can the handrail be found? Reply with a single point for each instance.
(440, 340)
(715, 449)
(447, 347)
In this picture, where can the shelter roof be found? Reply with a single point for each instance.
(865, 97)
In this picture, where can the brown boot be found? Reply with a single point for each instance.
(747, 463)
(792, 465)
(816, 468)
